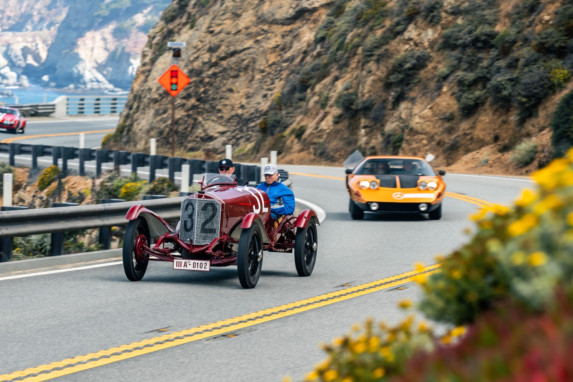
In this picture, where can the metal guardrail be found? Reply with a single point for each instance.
(59, 219)
(36, 110)
(249, 173)
(75, 105)
(95, 104)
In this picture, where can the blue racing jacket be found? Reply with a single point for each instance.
(282, 198)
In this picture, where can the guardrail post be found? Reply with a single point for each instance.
(67, 153)
(57, 247)
(137, 160)
(7, 180)
(113, 105)
(97, 106)
(101, 156)
(173, 166)
(56, 154)
(36, 152)
(105, 232)
(7, 247)
(81, 106)
(83, 155)
(14, 150)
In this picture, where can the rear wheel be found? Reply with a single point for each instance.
(355, 212)
(305, 249)
(250, 256)
(134, 259)
(436, 214)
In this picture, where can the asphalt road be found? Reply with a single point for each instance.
(51, 317)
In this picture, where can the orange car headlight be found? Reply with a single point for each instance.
(373, 185)
(432, 186)
(364, 184)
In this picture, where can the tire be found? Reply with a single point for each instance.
(355, 212)
(250, 256)
(436, 214)
(136, 235)
(305, 249)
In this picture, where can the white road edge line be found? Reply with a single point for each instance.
(60, 271)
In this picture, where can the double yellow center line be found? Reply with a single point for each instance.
(10, 140)
(104, 357)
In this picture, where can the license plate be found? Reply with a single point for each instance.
(192, 265)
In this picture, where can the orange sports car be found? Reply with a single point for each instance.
(382, 184)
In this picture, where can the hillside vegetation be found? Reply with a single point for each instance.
(474, 82)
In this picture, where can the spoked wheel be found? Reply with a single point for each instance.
(305, 249)
(250, 256)
(134, 259)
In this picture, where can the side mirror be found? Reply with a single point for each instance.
(348, 171)
(442, 172)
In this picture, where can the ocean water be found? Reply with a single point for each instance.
(38, 94)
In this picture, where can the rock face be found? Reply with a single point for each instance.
(317, 79)
(90, 44)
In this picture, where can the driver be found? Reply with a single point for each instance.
(282, 197)
(227, 168)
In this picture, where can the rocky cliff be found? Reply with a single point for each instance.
(317, 79)
(74, 43)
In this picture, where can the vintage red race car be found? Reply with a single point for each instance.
(222, 224)
(12, 120)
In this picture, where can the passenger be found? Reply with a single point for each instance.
(410, 168)
(282, 197)
(227, 168)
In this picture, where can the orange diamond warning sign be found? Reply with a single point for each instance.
(174, 80)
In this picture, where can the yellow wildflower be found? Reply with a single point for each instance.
(548, 177)
(550, 202)
(518, 258)
(419, 267)
(569, 155)
(379, 373)
(407, 323)
(322, 366)
(569, 235)
(423, 327)
(312, 376)
(446, 340)
(456, 274)
(420, 279)
(387, 353)
(527, 197)
(537, 259)
(405, 304)
(500, 210)
(373, 344)
(330, 375)
(570, 219)
(522, 225)
(458, 331)
(439, 258)
(338, 341)
(359, 348)
(287, 379)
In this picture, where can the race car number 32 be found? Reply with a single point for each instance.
(192, 265)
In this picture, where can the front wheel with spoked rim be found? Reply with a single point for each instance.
(306, 248)
(250, 256)
(135, 260)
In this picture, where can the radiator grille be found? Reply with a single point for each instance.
(200, 221)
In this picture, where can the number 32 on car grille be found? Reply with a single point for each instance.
(200, 220)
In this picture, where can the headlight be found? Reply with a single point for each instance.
(374, 206)
(423, 185)
(373, 185)
(364, 184)
(423, 207)
(432, 186)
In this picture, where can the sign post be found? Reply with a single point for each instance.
(173, 80)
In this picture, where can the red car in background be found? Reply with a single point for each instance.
(222, 224)
(12, 120)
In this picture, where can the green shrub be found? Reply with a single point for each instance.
(299, 132)
(469, 102)
(432, 11)
(501, 89)
(161, 186)
(404, 73)
(347, 102)
(49, 175)
(533, 86)
(505, 41)
(524, 153)
(562, 125)
(111, 185)
(550, 41)
(130, 191)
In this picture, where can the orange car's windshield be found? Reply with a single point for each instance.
(395, 167)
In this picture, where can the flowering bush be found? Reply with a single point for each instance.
(511, 286)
